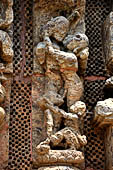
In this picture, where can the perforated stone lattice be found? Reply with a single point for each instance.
(23, 31)
(28, 40)
(20, 107)
(94, 150)
(96, 12)
(17, 28)
(19, 129)
(93, 92)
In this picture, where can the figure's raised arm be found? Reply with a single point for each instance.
(57, 110)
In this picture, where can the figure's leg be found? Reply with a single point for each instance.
(71, 139)
(75, 90)
(57, 138)
(49, 122)
(43, 147)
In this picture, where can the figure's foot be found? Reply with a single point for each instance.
(43, 147)
(56, 139)
(83, 140)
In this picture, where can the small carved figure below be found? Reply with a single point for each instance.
(70, 133)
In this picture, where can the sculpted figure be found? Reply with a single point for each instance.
(61, 66)
(70, 133)
(62, 57)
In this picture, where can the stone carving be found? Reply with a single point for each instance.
(63, 55)
(58, 168)
(2, 111)
(108, 42)
(6, 70)
(6, 9)
(103, 114)
(6, 47)
(60, 63)
(109, 83)
(6, 51)
(70, 133)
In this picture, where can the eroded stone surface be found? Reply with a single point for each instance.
(109, 83)
(6, 17)
(58, 168)
(103, 114)
(108, 42)
(60, 156)
(6, 55)
(6, 47)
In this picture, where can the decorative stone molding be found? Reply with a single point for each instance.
(58, 168)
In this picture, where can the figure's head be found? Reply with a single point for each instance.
(79, 108)
(57, 28)
(78, 40)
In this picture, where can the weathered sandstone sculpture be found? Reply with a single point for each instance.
(61, 65)
(6, 47)
(103, 114)
(61, 55)
(6, 9)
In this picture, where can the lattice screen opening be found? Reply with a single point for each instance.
(96, 13)
(20, 106)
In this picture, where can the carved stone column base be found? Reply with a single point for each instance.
(58, 168)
